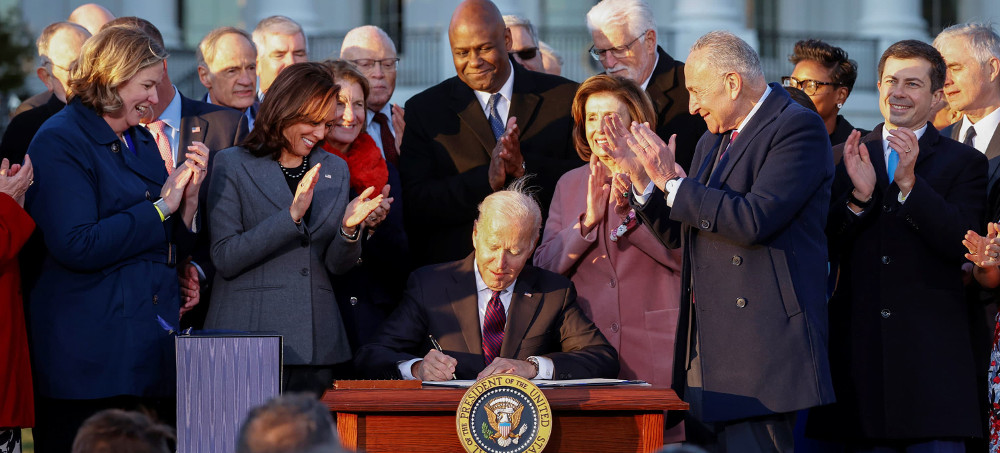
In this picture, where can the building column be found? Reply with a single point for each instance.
(694, 18)
(890, 21)
(162, 14)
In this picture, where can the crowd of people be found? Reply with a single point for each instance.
(683, 223)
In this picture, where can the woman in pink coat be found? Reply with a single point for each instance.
(627, 282)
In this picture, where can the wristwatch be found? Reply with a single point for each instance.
(534, 361)
(861, 204)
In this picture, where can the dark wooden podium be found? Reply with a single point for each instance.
(594, 419)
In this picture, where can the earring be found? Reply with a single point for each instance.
(840, 105)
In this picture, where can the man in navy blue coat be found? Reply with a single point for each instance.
(904, 361)
(753, 323)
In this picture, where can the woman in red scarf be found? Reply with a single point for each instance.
(17, 409)
(370, 291)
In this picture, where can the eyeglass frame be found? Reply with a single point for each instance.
(800, 84)
(617, 51)
(381, 63)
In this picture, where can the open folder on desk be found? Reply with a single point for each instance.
(543, 383)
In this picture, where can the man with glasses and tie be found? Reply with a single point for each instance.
(624, 34)
(469, 135)
(373, 52)
(903, 344)
(491, 312)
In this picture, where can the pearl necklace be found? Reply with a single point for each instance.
(302, 168)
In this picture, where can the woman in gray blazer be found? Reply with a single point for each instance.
(280, 223)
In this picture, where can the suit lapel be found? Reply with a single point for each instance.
(266, 175)
(146, 160)
(873, 143)
(773, 104)
(467, 107)
(659, 86)
(465, 303)
(706, 164)
(327, 192)
(524, 305)
(524, 100)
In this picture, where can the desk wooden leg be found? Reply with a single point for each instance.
(347, 429)
(651, 427)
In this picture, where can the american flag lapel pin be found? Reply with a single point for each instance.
(195, 129)
(327, 176)
(527, 294)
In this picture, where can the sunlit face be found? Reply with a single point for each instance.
(502, 249)
(826, 96)
(303, 137)
(381, 82)
(231, 79)
(967, 84)
(278, 52)
(138, 96)
(708, 96)
(64, 48)
(480, 55)
(904, 91)
(598, 107)
(638, 61)
(521, 40)
(349, 119)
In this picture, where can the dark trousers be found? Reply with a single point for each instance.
(58, 420)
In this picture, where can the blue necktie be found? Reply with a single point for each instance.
(495, 123)
(892, 164)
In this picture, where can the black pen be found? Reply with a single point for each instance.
(438, 347)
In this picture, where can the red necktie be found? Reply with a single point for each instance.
(731, 139)
(163, 143)
(493, 325)
(388, 141)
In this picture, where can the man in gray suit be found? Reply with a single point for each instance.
(972, 86)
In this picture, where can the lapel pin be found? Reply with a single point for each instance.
(327, 176)
(527, 294)
(195, 129)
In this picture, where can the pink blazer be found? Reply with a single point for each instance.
(629, 288)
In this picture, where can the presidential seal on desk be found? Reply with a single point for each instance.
(504, 414)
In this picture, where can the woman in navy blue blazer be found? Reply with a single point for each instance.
(113, 223)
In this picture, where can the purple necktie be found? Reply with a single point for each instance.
(493, 325)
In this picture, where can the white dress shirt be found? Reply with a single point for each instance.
(483, 295)
(503, 104)
(985, 129)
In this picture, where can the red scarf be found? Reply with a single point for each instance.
(365, 162)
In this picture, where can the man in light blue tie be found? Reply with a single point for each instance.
(902, 354)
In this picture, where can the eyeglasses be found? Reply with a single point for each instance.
(526, 54)
(617, 52)
(367, 64)
(807, 86)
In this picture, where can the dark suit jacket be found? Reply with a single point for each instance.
(22, 129)
(992, 152)
(34, 101)
(670, 99)
(543, 320)
(446, 154)
(108, 266)
(758, 227)
(900, 327)
(218, 128)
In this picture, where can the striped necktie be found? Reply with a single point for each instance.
(493, 325)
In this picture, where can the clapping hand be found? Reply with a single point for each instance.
(360, 208)
(506, 159)
(379, 214)
(983, 251)
(398, 124)
(656, 157)
(190, 287)
(304, 194)
(598, 189)
(620, 186)
(15, 179)
(859, 167)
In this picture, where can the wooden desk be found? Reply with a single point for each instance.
(591, 419)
